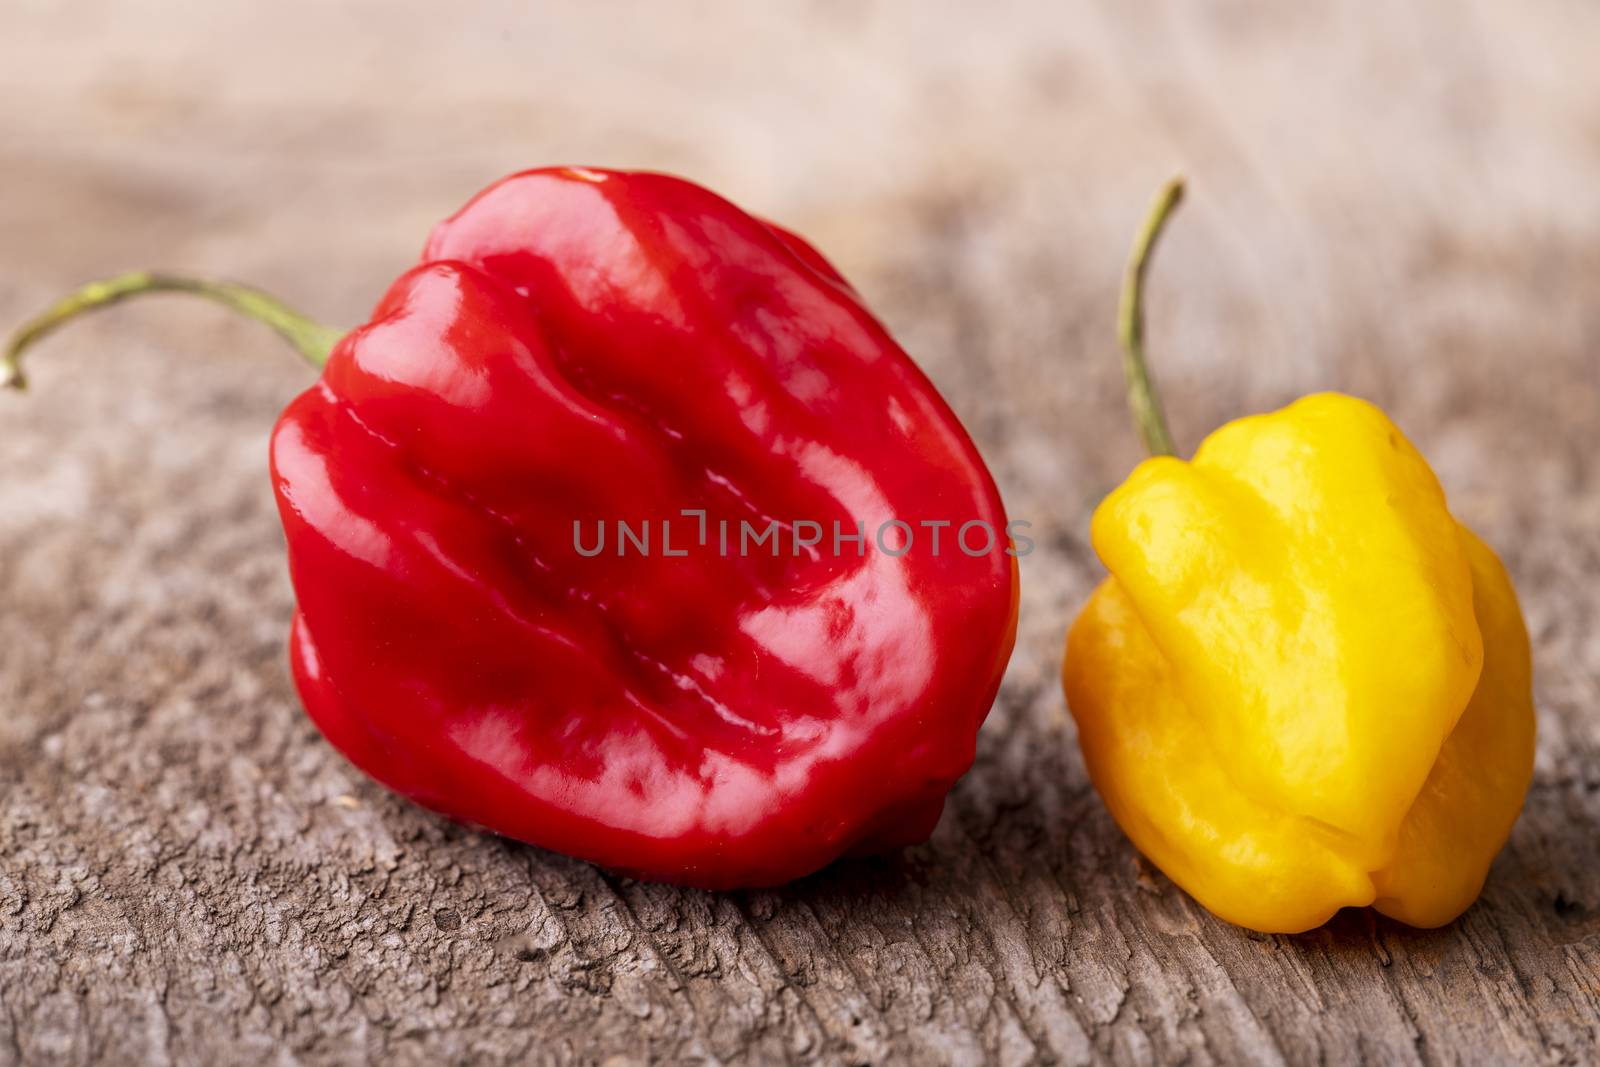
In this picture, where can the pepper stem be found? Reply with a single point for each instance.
(1143, 400)
(312, 340)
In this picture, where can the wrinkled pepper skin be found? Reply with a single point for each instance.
(1304, 685)
(581, 345)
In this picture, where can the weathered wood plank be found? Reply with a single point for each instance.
(1397, 202)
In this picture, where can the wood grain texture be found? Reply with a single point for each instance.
(1395, 200)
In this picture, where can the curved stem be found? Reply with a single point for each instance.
(312, 340)
(1143, 400)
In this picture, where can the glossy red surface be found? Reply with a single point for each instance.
(593, 346)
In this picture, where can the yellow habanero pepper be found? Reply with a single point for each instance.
(1304, 685)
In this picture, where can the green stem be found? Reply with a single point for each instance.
(1143, 400)
(312, 340)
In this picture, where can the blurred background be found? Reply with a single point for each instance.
(1396, 200)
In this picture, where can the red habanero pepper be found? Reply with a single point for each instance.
(581, 351)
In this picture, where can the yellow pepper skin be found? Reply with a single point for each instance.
(1304, 686)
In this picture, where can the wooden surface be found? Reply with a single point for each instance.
(1396, 200)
